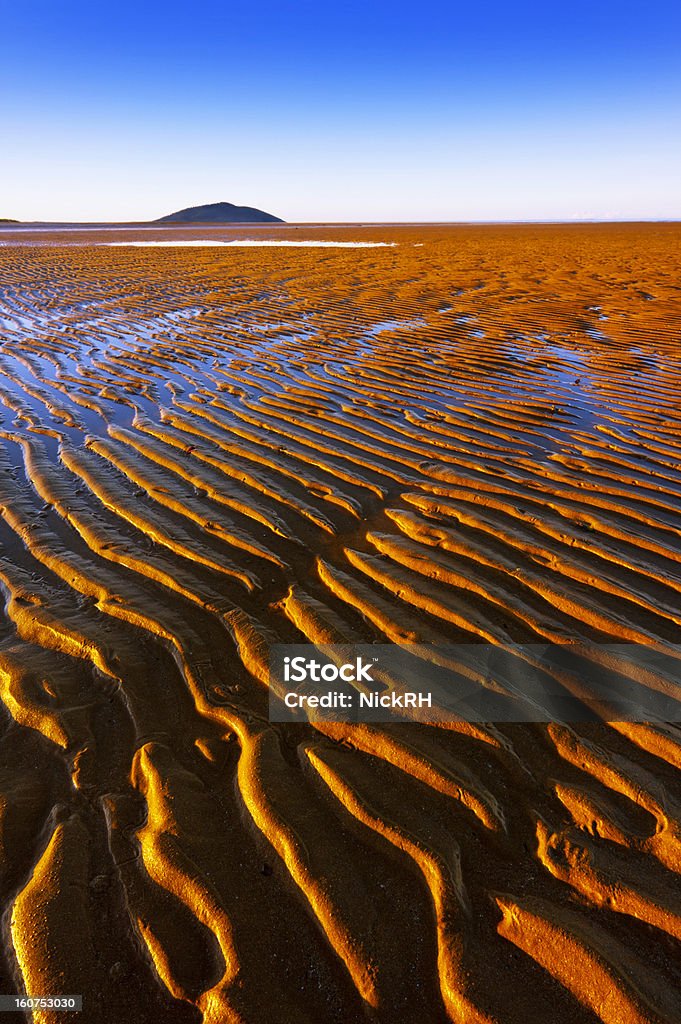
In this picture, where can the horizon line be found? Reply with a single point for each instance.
(11, 224)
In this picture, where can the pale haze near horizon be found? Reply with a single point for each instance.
(377, 117)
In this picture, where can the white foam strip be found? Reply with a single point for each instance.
(248, 242)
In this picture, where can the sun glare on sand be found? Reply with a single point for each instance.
(254, 243)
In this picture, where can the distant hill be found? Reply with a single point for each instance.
(219, 213)
(8, 220)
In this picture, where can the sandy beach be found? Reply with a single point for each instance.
(439, 434)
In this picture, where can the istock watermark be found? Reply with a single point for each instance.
(299, 670)
(475, 683)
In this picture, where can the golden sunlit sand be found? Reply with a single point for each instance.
(465, 434)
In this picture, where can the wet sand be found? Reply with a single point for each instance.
(467, 434)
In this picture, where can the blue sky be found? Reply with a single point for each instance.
(341, 111)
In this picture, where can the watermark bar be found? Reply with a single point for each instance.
(475, 683)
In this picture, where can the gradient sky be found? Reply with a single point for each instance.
(332, 110)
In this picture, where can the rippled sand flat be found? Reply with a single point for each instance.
(470, 433)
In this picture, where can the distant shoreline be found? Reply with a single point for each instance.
(36, 225)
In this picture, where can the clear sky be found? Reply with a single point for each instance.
(341, 109)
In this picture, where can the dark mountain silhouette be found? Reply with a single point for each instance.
(219, 213)
(8, 220)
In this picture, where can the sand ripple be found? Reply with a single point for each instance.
(464, 434)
